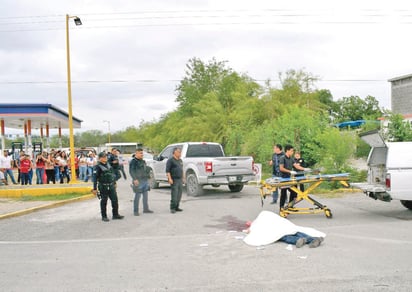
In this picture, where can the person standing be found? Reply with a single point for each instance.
(25, 167)
(7, 164)
(82, 167)
(286, 170)
(140, 181)
(50, 168)
(64, 169)
(277, 154)
(175, 177)
(40, 165)
(91, 162)
(19, 158)
(113, 160)
(104, 181)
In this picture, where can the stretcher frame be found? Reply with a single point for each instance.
(268, 186)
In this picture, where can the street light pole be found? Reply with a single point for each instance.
(108, 126)
(69, 92)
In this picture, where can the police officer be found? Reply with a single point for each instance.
(104, 180)
(113, 160)
(140, 181)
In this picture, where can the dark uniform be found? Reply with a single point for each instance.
(288, 164)
(175, 168)
(104, 181)
(140, 172)
(113, 160)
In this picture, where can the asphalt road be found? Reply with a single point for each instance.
(368, 247)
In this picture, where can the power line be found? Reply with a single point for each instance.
(172, 80)
(285, 17)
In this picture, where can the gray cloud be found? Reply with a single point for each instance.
(127, 55)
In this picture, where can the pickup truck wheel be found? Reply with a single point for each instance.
(407, 204)
(193, 188)
(236, 188)
(152, 182)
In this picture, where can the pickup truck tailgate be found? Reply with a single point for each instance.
(232, 165)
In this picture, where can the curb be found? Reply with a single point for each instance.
(46, 206)
(19, 192)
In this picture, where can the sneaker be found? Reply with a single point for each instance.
(148, 211)
(179, 210)
(300, 242)
(105, 219)
(117, 217)
(136, 213)
(172, 211)
(315, 242)
(273, 202)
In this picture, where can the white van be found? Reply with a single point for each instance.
(389, 170)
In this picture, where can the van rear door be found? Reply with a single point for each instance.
(375, 185)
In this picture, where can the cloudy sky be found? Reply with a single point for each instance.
(129, 55)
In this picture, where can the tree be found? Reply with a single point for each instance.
(354, 108)
(200, 79)
(334, 148)
(398, 129)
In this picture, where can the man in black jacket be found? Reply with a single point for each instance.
(104, 181)
(140, 181)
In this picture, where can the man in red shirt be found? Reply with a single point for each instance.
(25, 167)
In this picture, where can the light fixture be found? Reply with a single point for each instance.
(77, 21)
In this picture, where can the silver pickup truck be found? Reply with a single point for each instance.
(389, 170)
(204, 163)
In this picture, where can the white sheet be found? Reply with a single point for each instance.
(269, 227)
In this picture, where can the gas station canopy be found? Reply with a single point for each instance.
(15, 116)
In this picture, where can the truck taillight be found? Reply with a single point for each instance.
(388, 181)
(208, 166)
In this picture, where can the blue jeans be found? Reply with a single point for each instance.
(275, 194)
(9, 172)
(141, 191)
(24, 177)
(292, 239)
(82, 172)
(30, 176)
(57, 173)
(39, 175)
(89, 173)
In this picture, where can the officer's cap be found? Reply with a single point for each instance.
(102, 154)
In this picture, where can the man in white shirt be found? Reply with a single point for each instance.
(7, 164)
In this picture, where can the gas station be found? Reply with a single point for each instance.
(32, 116)
(27, 117)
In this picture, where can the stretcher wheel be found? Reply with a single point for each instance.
(283, 214)
(328, 213)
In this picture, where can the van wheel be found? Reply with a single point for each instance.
(236, 188)
(152, 182)
(407, 204)
(193, 188)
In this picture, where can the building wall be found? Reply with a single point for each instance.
(401, 100)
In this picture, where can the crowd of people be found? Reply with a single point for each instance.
(44, 168)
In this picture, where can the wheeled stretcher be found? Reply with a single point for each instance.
(268, 186)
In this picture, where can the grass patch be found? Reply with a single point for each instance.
(52, 197)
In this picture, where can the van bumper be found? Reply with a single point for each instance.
(377, 192)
